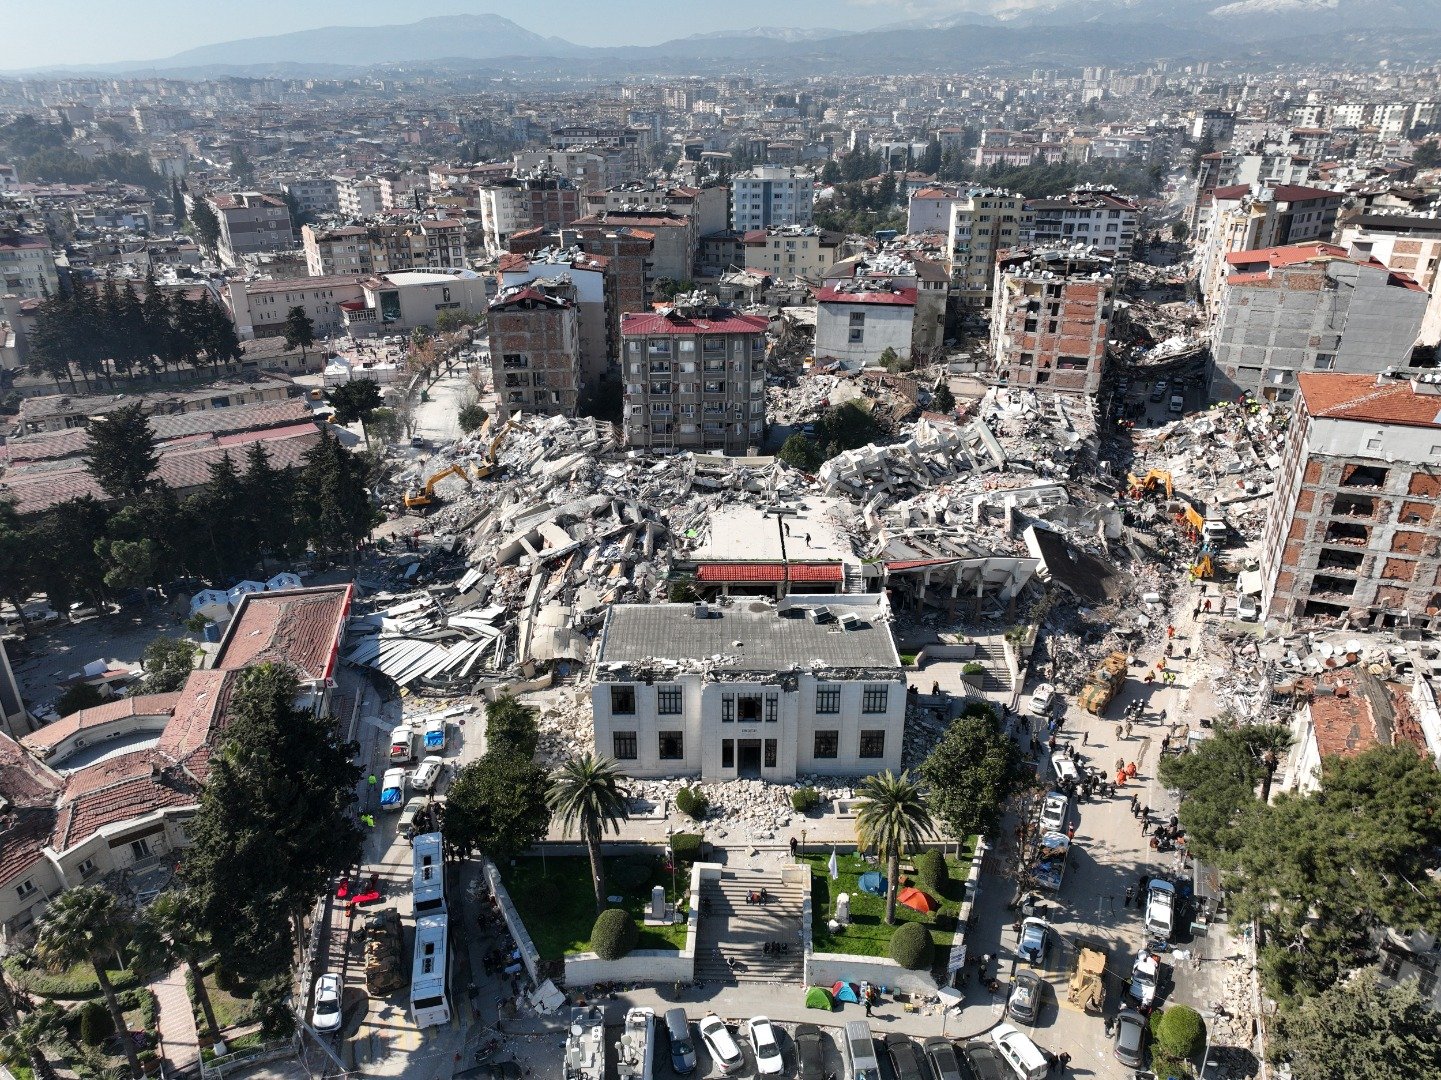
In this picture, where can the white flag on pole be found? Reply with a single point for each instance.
(834, 866)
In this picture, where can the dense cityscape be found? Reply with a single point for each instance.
(904, 552)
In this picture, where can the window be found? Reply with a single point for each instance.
(769, 761)
(857, 337)
(622, 700)
(828, 744)
(728, 753)
(728, 708)
(750, 708)
(624, 747)
(1390, 965)
(1325, 361)
(672, 745)
(858, 318)
(668, 700)
(828, 700)
(87, 868)
(873, 744)
(140, 848)
(773, 702)
(875, 699)
(25, 888)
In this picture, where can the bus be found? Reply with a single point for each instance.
(428, 890)
(430, 976)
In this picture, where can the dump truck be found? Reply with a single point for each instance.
(420, 498)
(1104, 684)
(384, 954)
(1088, 981)
(1049, 869)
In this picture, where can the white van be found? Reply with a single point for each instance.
(1021, 1054)
(402, 744)
(861, 1051)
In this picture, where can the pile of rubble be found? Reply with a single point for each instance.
(933, 453)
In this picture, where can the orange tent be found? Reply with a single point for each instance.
(916, 900)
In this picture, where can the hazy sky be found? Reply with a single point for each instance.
(44, 32)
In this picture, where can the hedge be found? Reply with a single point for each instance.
(632, 872)
(95, 1023)
(692, 802)
(931, 869)
(77, 981)
(686, 846)
(805, 799)
(912, 947)
(614, 934)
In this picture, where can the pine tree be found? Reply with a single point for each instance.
(121, 455)
(333, 506)
(177, 199)
(155, 326)
(270, 502)
(207, 225)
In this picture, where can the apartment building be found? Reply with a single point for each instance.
(590, 277)
(893, 268)
(251, 222)
(1052, 318)
(1244, 218)
(792, 251)
(402, 190)
(320, 195)
(694, 378)
(535, 348)
(771, 195)
(810, 686)
(707, 205)
(503, 211)
(1354, 531)
(1407, 243)
(929, 209)
(1309, 307)
(858, 320)
(985, 222)
(675, 240)
(360, 305)
(627, 252)
(1218, 125)
(1094, 217)
(27, 265)
(590, 168)
(359, 197)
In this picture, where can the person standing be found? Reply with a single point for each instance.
(1085, 738)
(1128, 729)
(1130, 894)
(795, 846)
(1064, 1061)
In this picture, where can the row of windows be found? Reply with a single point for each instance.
(750, 708)
(670, 746)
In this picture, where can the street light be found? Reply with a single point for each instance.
(803, 843)
(670, 846)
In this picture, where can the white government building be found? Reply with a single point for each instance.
(750, 688)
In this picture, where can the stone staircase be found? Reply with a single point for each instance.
(855, 579)
(993, 656)
(737, 930)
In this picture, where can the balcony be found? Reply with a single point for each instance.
(661, 388)
(661, 367)
(1345, 532)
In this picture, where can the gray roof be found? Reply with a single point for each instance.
(769, 641)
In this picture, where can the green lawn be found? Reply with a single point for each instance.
(231, 1010)
(555, 898)
(868, 934)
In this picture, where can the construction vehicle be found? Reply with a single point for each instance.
(384, 954)
(1105, 683)
(1141, 486)
(1088, 981)
(486, 468)
(1203, 569)
(422, 498)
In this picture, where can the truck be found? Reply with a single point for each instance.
(402, 745)
(384, 954)
(1088, 980)
(1104, 684)
(1050, 866)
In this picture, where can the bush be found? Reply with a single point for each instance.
(77, 981)
(614, 934)
(1181, 1032)
(931, 869)
(805, 799)
(632, 872)
(686, 846)
(912, 947)
(95, 1023)
(692, 802)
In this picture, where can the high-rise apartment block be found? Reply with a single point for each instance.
(694, 379)
(1355, 530)
(1097, 217)
(983, 223)
(251, 222)
(535, 349)
(1052, 318)
(771, 195)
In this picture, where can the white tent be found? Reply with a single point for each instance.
(282, 581)
(212, 604)
(240, 588)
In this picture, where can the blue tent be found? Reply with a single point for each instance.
(844, 991)
(873, 883)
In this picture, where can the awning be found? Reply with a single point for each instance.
(769, 573)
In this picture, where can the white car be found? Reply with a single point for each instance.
(1247, 608)
(768, 1047)
(721, 1044)
(326, 1016)
(425, 777)
(1053, 812)
(392, 789)
(1041, 700)
(1161, 910)
(1143, 978)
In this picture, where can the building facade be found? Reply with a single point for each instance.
(790, 251)
(858, 320)
(983, 223)
(1095, 217)
(251, 222)
(771, 195)
(535, 349)
(1354, 530)
(1052, 318)
(27, 266)
(815, 687)
(694, 379)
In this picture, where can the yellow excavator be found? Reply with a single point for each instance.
(1144, 485)
(487, 467)
(1203, 569)
(419, 499)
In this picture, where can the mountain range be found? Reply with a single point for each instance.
(1007, 32)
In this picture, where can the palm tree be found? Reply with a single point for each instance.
(586, 793)
(1269, 742)
(24, 1040)
(88, 925)
(170, 932)
(891, 817)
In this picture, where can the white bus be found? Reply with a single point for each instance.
(428, 890)
(430, 975)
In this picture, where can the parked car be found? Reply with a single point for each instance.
(1035, 940)
(435, 736)
(1024, 1004)
(769, 1061)
(425, 777)
(1023, 1055)
(986, 1061)
(682, 1049)
(905, 1057)
(721, 1043)
(1054, 809)
(945, 1062)
(1177, 404)
(326, 1016)
(1042, 699)
(406, 826)
(810, 1052)
(1160, 909)
(1158, 391)
(1130, 1038)
(392, 789)
(1144, 976)
(1247, 608)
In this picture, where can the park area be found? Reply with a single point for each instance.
(557, 901)
(868, 934)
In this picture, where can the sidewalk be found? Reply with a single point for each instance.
(180, 1042)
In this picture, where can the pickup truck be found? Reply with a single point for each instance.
(1160, 909)
(433, 737)
(402, 745)
(392, 789)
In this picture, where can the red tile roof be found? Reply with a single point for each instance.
(896, 297)
(115, 790)
(1286, 256)
(1368, 398)
(1300, 193)
(771, 573)
(52, 735)
(299, 627)
(643, 324)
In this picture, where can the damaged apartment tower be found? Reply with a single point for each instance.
(1052, 318)
(535, 348)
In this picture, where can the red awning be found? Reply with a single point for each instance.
(769, 572)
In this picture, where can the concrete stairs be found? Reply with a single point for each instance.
(855, 579)
(994, 658)
(739, 931)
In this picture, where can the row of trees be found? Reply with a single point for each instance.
(113, 331)
(86, 549)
